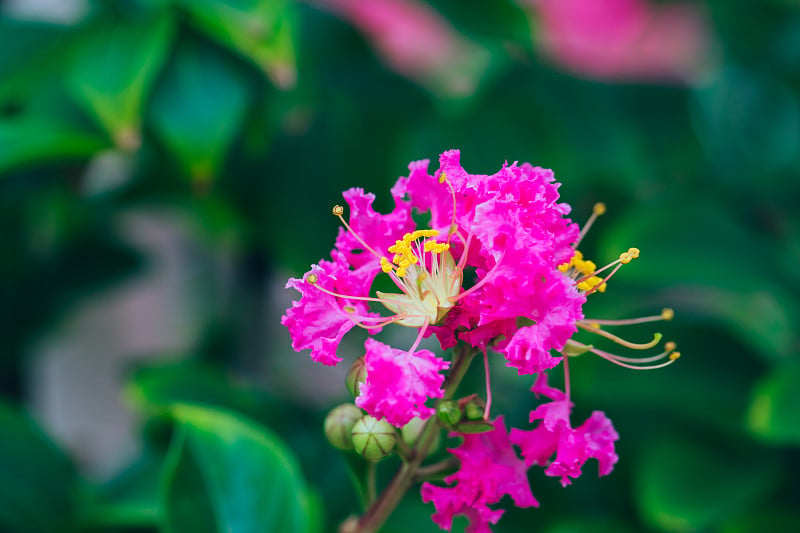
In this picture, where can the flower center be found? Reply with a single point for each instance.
(427, 275)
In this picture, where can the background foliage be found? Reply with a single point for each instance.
(244, 120)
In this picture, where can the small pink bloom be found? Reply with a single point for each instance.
(594, 438)
(414, 40)
(636, 40)
(490, 469)
(399, 383)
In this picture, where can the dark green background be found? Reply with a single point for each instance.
(703, 179)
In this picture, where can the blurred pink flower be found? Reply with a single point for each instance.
(626, 40)
(415, 41)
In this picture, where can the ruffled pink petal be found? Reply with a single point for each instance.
(399, 383)
(489, 470)
(377, 230)
(318, 321)
(600, 437)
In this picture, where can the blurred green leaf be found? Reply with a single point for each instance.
(686, 485)
(749, 122)
(25, 140)
(199, 107)
(155, 389)
(705, 262)
(774, 413)
(129, 500)
(227, 474)
(261, 30)
(114, 69)
(29, 55)
(37, 481)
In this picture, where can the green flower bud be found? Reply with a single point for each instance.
(373, 439)
(448, 412)
(356, 376)
(474, 409)
(572, 348)
(411, 432)
(339, 425)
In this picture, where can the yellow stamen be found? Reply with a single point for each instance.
(674, 356)
(599, 208)
(442, 177)
(312, 279)
(667, 314)
(337, 210)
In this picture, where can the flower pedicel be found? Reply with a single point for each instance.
(524, 302)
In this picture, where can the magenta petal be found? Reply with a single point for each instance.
(376, 230)
(489, 470)
(319, 321)
(399, 383)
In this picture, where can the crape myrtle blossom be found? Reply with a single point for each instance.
(508, 226)
(495, 269)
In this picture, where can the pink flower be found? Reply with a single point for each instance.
(509, 227)
(636, 40)
(594, 438)
(399, 383)
(490, 469)
(416, 41)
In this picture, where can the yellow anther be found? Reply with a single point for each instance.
(670, 346)
(338, 210)
(667, 314)
(349, 309)
(442, 177)
(594, 325)
(564, 267)
(312, 278)
(674, 355)
(629, 256)
(599, 208)
(401, 272)
(386, 266)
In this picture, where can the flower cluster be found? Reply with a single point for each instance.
(496, 268)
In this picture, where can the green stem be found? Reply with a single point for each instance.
(394, 492)
(372, 491)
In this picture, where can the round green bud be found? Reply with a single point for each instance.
(448, 412)
(473, 410)
(373, 439)
(411, 432)
(339, 425)
(356, 376)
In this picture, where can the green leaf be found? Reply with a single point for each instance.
(683, 485)
(114, 69)
(37, 481)
(774, 413)
(226, 474)
(199, 107)
(25, 140)
(45, 46)
(708, 264)
(153, 390)
(261, 30)
(129, 500)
